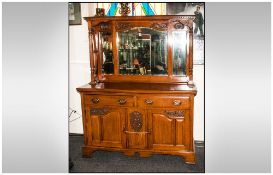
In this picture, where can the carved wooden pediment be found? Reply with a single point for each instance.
(123, 26)
(160, 26)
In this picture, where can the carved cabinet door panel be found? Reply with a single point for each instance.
(170, 128)
(136, 129)
(105, 127)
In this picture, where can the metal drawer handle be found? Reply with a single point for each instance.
(95, 100)
(122, 101)
(177, 102)
(149, 102)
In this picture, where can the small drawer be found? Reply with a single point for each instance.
(164, 101)
(101, 100)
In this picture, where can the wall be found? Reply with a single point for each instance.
(79, 74)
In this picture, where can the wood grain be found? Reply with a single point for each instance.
(138, 114)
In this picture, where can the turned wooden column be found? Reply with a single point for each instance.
(92, 48)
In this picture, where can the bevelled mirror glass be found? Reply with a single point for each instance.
(179, 52)
(107, 53)
(142, 51)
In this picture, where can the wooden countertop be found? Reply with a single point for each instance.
(138, 88)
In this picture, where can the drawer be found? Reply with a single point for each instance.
(109, 100)
(164, 101)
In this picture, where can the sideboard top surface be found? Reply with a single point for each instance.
(138, 88)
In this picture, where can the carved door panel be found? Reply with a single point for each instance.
(169, 129)
(105, 127)
(136, 129)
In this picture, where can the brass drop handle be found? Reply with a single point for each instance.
(149, 102)
(95, 100)
(177, 102)
(122, 101)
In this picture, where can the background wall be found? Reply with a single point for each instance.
(35, 87)
(79, 74)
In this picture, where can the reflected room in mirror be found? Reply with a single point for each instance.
(142, 51)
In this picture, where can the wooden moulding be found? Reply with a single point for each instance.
(142, 114)
(168, 23)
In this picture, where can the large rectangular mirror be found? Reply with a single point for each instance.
(142, 51)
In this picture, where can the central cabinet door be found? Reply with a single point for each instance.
(105, 127)
(136, 129)
(170, 128)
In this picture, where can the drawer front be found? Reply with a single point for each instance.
(101, 100)
(164, 101)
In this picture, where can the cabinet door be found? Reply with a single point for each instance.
(136, 129)
(104, 127)
(170, 129)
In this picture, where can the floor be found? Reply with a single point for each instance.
(104, 161)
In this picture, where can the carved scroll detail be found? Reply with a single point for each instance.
(180, 24)
(104, 26)
(174, 114)
(136, 121)
(160, 26)
(123, 26)
(99, 111)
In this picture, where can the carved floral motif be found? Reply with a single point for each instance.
(180, 24)
(174, 114)
(136, 121)
(123, 26)
(99, 111)
(160, 26)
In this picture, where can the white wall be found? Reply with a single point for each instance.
(79, 74)
(79, 67)
(198, 78)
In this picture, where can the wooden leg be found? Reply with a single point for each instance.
(129, 153)
(189, 159)
(144, 154)
(86, 152)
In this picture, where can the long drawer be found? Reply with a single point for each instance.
(164, 101)
(109, 100)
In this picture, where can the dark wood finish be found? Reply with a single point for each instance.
(138, 114)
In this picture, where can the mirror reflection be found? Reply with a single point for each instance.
(179, 52)
(142, 51)
(107, 54)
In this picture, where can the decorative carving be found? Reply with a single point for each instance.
(123, 26)
(104, 26)
(160, 26)
(180, 24)
(136, 121)
(99, 111)
(124, 9)
(175, 114)
(91, 31)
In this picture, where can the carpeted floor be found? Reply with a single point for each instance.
(104, 161)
